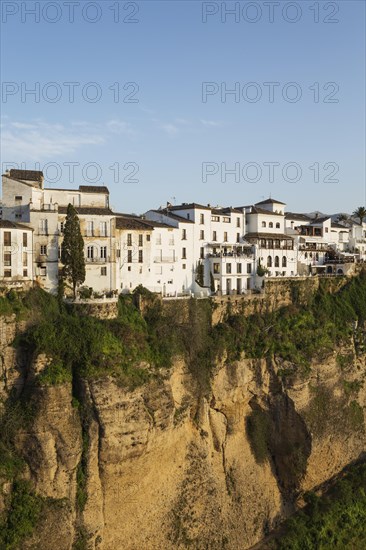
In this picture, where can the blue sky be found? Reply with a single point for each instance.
(168, 133)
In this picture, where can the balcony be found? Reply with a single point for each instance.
(98, 260)
(164, 260)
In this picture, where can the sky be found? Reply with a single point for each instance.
(175, 101)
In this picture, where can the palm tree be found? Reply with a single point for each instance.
(343, 218)
(360, 213)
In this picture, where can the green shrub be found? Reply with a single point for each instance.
(55, 373)
(22, 516)
(335, 521)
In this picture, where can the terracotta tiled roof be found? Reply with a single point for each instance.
(176, 217)
(141, 224)
(94, 189)
(190, 206)
(6, 224)
(256, 210)
(88, 210)
(132, 223)
(226, 211)
(295, 216)
(27, 175)
(270, 201)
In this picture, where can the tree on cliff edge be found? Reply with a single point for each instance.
(72, 250)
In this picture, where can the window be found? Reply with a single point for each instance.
(158, 238)
(228, 268)
(18, 198)
(238, 237)
(188, 216)
(7, 238)
(25, 272)
(59, 253)
(284, 261)
(90, 252)
(184, 253)
(18, 215)
(103, 271)
(278, 225)
(7, 273)
(129, 239)
(277, 261)
(269, 261)
(225, 236)
(43, 271)
(214, 236)
(103, 252)
(148, 238)
(270, 225)
(141, 256)
(25, 259)
(184, 234)
(7, 259)
(89, 229)
(277, 243)
(270, 243)
(215, 218)
(103, 229)
(237, 222)
(202, 218)
(184, 266)
(141, 240)
(202, 252)
(216, 268)
(43, 250)
(129, 256)
(326, 229)
(238, 268)
(202, 235)
(263, 243)
(249, 268)
(264, 224)
(25, 240)
(62, 225)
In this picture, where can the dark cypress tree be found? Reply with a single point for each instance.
(72, 250)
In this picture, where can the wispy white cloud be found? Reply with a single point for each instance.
(121, 127)
(211, 123)
(170, 129)
(42, 140)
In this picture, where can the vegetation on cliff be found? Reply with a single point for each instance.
(335, 521)
(142, 342)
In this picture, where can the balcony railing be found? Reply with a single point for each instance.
(98, 260)
(230, 255)
(164, 260)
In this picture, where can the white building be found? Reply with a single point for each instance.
(26, 199)
(213, 242)
(16, 247)
(357, 239)
(177, 250)
(265, 230)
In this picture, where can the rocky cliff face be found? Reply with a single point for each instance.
(166, 466)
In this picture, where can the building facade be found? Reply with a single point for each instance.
(176, 250)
